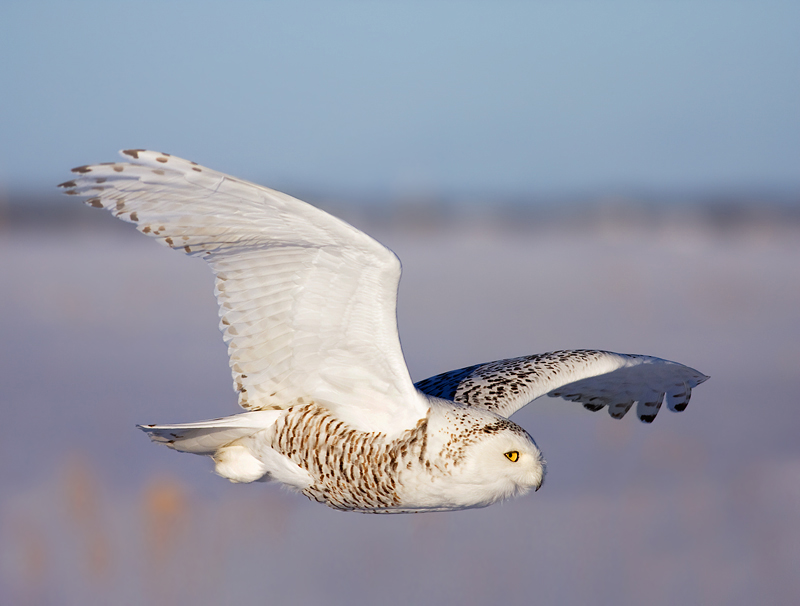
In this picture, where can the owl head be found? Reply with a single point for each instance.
(478, 458)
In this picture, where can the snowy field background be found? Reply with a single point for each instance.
(439, 107)
(101, 329)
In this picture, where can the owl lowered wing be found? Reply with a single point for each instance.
(307, 302)
(596, 379)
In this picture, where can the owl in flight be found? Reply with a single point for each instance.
(307, 309)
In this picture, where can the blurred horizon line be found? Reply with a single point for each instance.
(718, 210)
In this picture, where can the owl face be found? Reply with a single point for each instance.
(478, 458)
(504, 463)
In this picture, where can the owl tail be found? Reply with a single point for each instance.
(226, 440)
(207, 437)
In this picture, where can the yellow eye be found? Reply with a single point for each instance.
(512, 456)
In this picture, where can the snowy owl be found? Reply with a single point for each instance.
(307, 309)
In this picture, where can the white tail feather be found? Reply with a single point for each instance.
(207, 437)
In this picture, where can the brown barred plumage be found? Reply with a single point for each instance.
(351, 469)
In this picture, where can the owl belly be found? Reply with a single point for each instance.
(351, 470)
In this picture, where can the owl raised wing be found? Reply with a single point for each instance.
(306, 301)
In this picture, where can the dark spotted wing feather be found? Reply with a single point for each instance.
(596, 379)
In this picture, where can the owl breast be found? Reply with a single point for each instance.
(352, 470)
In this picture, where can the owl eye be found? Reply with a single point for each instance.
(512, 456)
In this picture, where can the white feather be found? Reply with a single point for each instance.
(206, 437)
(307, 302)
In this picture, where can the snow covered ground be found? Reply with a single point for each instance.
(101, 329)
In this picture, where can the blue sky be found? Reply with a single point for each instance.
(408, 98)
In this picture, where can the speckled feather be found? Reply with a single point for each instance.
(366, 471)
(594, 378)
